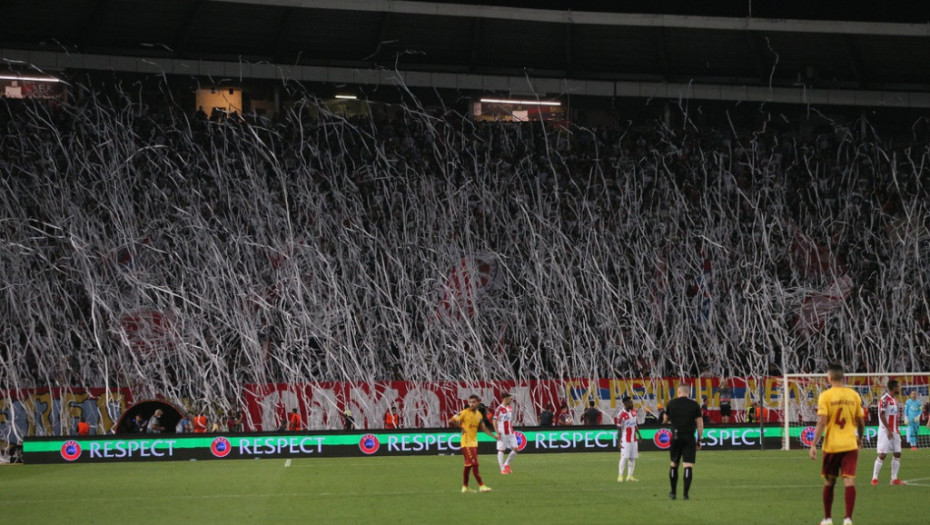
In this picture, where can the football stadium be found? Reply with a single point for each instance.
(404, 261)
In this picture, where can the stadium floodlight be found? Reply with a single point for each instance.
(521, 102)
(347, 97)
(29, 79)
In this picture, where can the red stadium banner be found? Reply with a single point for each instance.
(429, 405)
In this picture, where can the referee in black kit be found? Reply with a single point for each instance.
(684, 414)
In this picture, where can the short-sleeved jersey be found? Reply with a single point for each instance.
(888, 407)
(504, 418)
(683, 414)
(470, 421)
(626, 424)
(843, 407)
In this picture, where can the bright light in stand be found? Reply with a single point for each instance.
(347, 97)
(29, 79)
(521, 102)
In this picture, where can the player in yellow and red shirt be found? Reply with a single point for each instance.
(470, 420)
(839, 420)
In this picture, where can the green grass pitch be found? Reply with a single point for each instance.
(771, 487)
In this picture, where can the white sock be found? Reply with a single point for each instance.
(510, 457)
(877, 468)
(622, 465)
(895, 466)
(630, 464)
(500, 458)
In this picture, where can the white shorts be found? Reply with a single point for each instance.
(507, 441)
(629, 450)
(888, 445)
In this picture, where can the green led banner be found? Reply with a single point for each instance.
(162, 447)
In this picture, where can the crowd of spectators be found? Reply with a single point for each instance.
(316, 247)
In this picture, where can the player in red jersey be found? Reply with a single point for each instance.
(503, 422)
(628, 438)
(889, 435)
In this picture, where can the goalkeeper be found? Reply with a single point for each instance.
(912, 411)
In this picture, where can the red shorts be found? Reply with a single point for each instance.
(471, 456)
(840, 464)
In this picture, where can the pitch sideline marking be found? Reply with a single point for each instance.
(911, 482)
(287, 463)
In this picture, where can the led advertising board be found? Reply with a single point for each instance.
(163, 447)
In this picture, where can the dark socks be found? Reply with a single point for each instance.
(827, 501)
(474, 469)
(850, 500)
(687, 481)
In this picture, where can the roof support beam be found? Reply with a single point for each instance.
(60, 61)
(611, 19)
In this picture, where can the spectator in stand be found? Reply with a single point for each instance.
(200, 423)
(391, 418)
(83, 428)
(660, 414)
(295, 422)
(234, 421)
(726, 409)
(652, 416)
(348, 422)
(563, 418)
(591, 416)
(546, 417)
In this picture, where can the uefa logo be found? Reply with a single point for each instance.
(71, 450)
(221, 447)
(521, 440)
(663, 438)
(369, 444)
(807, 436)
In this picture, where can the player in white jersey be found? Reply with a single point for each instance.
(627, 439)
(503, 420)
(889, 435)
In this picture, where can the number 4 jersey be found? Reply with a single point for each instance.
(842, 406)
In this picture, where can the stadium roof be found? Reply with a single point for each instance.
(784, 51)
